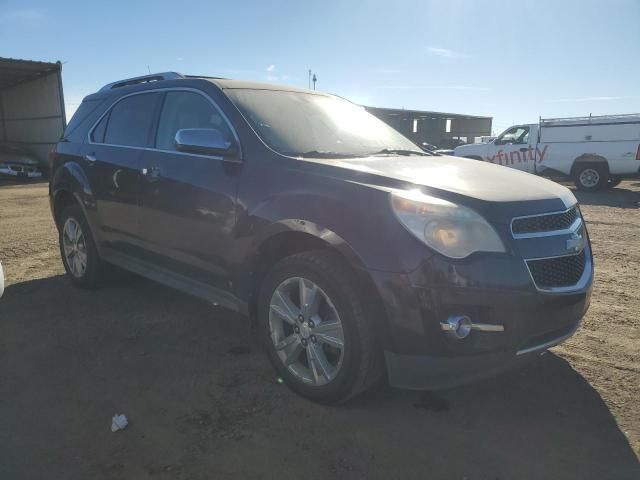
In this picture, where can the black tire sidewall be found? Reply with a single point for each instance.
(93, 273)
(603, 173)
(331, 282)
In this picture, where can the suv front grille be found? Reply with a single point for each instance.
(544, 223)
(550, 273)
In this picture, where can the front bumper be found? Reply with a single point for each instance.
(424, 372)
(489, 290)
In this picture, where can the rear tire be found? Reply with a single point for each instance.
(328, 356)
(79, 254)
(590, 177)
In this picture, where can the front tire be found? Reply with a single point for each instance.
(590, 177)
(78, 250)
(315, 325)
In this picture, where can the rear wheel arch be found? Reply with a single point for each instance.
(69, 184)
(590, 159)
(61, 200)
(594, 162)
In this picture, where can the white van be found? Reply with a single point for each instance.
(596, 152)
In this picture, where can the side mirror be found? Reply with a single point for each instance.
(205, 141)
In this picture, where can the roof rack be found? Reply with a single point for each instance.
(592, 118)
(154, 77)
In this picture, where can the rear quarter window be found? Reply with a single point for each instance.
(86, 108)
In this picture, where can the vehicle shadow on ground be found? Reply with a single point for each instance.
(203, 402)
(6, 181)
(615, 197)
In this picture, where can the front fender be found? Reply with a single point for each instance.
(318, 231)
(350, 216)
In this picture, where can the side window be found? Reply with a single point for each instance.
(515, 135)
(97, 135)
(130, 120)
(187, 110)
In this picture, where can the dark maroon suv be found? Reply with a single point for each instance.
(357, 254)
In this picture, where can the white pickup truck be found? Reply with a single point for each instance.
(596, 152)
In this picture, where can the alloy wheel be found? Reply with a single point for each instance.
(75, 247)
(589, 177)
(306, 331)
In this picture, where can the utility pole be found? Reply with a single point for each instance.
(309, 79)
(314, 81)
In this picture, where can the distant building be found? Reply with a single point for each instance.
(444, 130)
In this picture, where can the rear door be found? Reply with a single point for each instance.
(515, 148)
(114, 162)
(188, 200)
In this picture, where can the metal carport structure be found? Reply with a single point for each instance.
(32, 114)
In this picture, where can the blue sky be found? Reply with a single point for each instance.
(513, 60)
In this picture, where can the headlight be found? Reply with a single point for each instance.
(451, 229)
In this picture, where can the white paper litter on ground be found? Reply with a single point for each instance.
(119, 422)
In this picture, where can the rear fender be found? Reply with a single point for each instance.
(70, 178)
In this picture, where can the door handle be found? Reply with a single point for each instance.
(90, 157)
(151, 174)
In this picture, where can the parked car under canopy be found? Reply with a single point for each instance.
(32, 115)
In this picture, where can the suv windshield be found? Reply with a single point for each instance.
(315, 125)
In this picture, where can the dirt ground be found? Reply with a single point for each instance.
(204, 403)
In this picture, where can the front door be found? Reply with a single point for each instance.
(188, 201)
(514, 148)
(114, 161)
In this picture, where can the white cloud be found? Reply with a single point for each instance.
(272, 78)
(444, 52)
(180, 59)
(271, 68)
(25, 15)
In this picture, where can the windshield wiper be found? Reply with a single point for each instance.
(321, 154)
(400, 151)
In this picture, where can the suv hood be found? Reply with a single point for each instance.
(471, 178)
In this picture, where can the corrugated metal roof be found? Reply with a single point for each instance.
(14, 71)
(422, 113)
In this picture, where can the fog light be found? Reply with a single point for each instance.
(457, 326)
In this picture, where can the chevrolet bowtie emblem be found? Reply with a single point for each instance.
(575, 243)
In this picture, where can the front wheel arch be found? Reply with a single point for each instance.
(286, 243)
